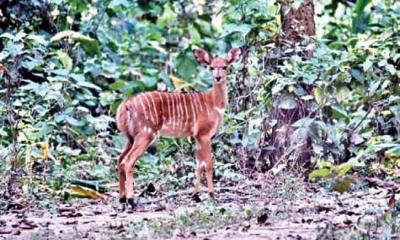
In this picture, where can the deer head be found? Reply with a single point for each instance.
(218, 65)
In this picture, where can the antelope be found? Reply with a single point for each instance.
(145, 116)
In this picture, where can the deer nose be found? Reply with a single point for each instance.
(218, 78)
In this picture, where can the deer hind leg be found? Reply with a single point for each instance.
(121, 171)
(142, 142)
(204, 159)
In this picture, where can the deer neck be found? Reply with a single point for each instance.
(219, 95)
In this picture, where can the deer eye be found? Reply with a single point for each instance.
(225, 67)
(211, 68)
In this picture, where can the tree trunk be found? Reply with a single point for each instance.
(276, 144)
(298, 26)
(299, 23)
(281, 139)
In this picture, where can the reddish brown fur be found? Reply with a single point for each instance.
(143, 117)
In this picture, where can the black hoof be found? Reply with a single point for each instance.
(132, 203)
(211, 194)
(196, 197)
(122, 200)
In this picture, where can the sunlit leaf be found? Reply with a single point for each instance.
(318, 95)
(320, 173)
(90, 45)
(83, 192)
(65, 60)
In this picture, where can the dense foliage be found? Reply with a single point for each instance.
(67, 64)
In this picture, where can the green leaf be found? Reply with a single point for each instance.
(343, 168)
(339, 113)
(360, 20)
(357, 74)
(117, 3)
(89, 85)
(167, 18)
(391, 69)
(393, 152)
(14, 48)
(74, 121)
(118, 85)
(65, 59)
(81, 81)
(318, 95)
(38, 38)
(149, 81)
(230, 28)
(186, 64)
(7, 35)
(320, 173)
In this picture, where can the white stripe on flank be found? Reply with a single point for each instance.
(169, 109)
(178, 105)
(180, 109)
(193, 110)
(200, 109)
(148, 104)
(154, 107)
(196, 105)
(135, 108)
(142, 104)
(177, 113)
(186, 110)
(162, 105)
(173, 110)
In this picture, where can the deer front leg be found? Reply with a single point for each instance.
(199, 169)
(204, 159)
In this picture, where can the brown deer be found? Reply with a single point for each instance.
(145, 116)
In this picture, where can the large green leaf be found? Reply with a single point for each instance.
(230, 28)
(186, 64)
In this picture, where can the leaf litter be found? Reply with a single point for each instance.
(286, 208)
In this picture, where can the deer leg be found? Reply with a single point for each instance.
(204, 157)
(199, 173)
(121, 172)
(199, 168)
(139, 147)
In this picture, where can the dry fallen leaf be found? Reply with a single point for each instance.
(84, 192)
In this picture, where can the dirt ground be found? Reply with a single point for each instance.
(283, 209)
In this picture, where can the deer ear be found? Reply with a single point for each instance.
(233, 55)
(202, 56)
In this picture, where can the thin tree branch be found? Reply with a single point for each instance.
(12, 123)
